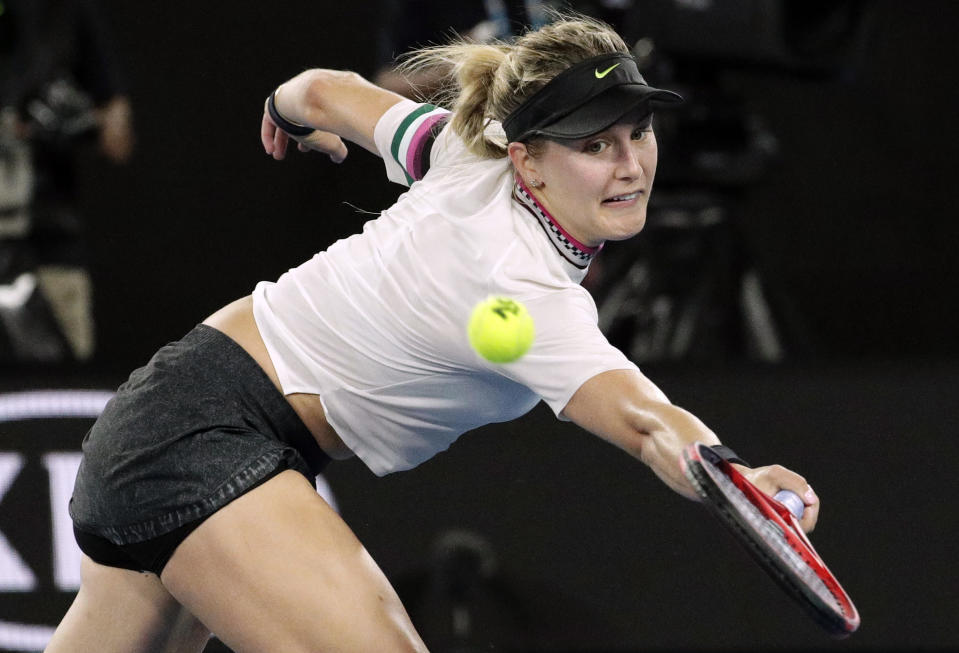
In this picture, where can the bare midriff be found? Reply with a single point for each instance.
(236, 321)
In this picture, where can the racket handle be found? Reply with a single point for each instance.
(792, 501)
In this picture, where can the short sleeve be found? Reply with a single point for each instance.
(404, 137)
(568, 350)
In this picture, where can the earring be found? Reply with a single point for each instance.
(535, 183)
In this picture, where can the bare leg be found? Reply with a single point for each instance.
(279, 570)
(119, 611)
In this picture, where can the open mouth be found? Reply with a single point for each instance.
(619, 199)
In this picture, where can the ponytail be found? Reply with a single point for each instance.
(490, 80)
(473, 67)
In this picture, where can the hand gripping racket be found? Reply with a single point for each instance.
(772, 535)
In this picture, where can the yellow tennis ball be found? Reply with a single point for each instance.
(500, 329)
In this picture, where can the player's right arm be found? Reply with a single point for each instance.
(630, 411)
(339, 105)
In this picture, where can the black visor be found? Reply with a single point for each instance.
(584, 99)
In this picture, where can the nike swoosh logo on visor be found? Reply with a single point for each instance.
(600, 75)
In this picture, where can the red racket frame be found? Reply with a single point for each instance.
(841, 623)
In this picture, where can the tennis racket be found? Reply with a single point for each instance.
(770, 531)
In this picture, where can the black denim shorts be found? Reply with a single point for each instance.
(198, 426)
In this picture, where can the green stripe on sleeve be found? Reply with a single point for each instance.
(401, 131)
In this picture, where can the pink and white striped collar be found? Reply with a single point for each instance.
(578, 254)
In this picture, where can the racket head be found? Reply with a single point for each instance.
(773, 536)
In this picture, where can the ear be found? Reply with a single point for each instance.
(523, 162)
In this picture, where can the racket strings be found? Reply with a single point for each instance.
(773, 535)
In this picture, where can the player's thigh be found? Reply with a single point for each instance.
(278, 569)
(118, 610)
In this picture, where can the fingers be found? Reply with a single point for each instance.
(267, 128)
(810, 515)
(327, 143)
(773, 478)
(274, 140)
(280, 142)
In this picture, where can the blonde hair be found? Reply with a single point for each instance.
(490, 80)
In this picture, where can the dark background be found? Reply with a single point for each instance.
(856, 221)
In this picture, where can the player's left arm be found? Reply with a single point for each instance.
(630, 411)
(339, 105)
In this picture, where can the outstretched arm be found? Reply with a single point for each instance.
(338, 105)
(628, 410)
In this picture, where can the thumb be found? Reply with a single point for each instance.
(327, 143)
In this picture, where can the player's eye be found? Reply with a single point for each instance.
(596, 147)
(640, 133)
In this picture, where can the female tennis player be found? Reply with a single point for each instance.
(195, 505)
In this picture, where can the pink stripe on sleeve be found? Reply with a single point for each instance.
(414, 162)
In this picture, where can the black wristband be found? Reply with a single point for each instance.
(290, 128)
(728, 454)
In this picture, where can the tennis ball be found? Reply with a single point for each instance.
(500, 329)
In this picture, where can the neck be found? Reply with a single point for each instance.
(577, 253)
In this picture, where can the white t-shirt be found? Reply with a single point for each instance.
(376, 324)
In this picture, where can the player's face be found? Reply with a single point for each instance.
(598, 187)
